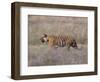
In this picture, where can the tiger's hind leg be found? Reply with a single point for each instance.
(68, 47)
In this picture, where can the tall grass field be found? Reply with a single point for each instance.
(40, 54)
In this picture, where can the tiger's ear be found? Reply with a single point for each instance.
(45, 35)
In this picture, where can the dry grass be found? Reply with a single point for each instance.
(44, 55)
(74, 26)
(40, 54)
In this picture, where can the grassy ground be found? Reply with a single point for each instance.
(40, 54)
(43, 55)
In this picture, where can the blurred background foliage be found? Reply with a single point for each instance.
(56, 25)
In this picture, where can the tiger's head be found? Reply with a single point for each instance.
(44, 38)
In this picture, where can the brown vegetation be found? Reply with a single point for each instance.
(40, 54)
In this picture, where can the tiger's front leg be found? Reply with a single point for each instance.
(52, 45)
(56, 46)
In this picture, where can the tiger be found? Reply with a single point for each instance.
(59, 41)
